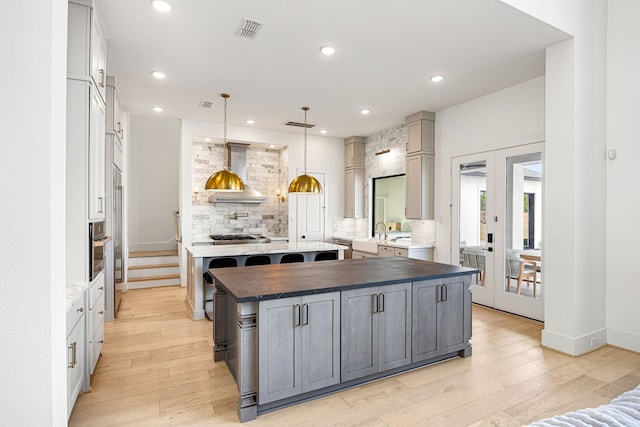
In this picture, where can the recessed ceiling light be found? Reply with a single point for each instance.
(156, 109)
(250, 122)
(437, 78)
(158, 74)
(162, 5)
(323, 131)
(327, 50)
(272, 146)
(365, 111)
(207, 139)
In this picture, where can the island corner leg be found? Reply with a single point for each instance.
(220, 324)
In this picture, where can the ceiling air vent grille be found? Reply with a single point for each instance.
(248, 28)
(206, 104)
(298, 124)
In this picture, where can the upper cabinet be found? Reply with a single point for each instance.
(354, 177)
(87, 45)
(97, 189)
(115, 116)
(98, 55)
(354, 152)
(420, 165)
(420, 133)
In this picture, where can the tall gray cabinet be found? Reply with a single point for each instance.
(375, 330)
(300, 349)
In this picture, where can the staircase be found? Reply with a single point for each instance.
(150, 269)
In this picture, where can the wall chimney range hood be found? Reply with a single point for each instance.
(237, 153)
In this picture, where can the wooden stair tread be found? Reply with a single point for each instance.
(143, 254)
(141, 267)
(148, 278)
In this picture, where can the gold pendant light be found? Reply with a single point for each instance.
(225, 180)
(305, 183)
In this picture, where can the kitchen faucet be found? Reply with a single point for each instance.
(384, 228)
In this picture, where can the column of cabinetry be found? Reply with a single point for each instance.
(375, 330)
(441, 318)
(420, 165)
(300, 345)
(85, 180)
(114, 166)
(354, 177)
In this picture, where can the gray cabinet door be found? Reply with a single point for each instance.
(279, 367)
(299, 345)
(376, 330)
(320, 340)
(456, 320)
(394, 317)
(359, 333)
(425, 320)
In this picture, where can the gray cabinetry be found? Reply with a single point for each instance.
(75, 352)
(354, 177)
(420, 165)
(299, 345)
(441, 319)
(375, 330)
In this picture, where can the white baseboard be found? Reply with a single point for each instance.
(623, 339)
(574, 346)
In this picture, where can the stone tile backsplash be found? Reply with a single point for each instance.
(267, 171)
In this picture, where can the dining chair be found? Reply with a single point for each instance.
(475, 257)
(521, 270)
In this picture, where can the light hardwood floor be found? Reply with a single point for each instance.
(157, 370)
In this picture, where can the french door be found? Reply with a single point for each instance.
(497, 226)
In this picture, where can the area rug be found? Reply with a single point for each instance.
(623, 411)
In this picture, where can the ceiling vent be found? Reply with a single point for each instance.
(248, 28)
(206, 104)
(298, 124)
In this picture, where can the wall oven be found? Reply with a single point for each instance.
(97, 239)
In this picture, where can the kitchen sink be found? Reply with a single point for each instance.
(369, 245)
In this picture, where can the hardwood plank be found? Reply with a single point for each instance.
(157, 369)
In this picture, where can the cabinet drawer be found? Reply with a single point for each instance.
(95, 347)
(386, 250)
(97, 315)
(403, 252)
(96, 290)
(75, 313)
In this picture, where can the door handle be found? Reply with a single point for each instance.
(296, 315)
(443, 292)
(375, 302)
(305, 314)
(380, 303)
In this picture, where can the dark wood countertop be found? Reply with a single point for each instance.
(263, 282)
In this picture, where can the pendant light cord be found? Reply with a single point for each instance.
(226, 149)
(305, 138)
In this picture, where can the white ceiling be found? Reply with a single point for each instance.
(386, 51)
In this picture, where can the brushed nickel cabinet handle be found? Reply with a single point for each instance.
(81, 310)
(101, 71)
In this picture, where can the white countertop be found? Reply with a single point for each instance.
(262, 248)
(73, 292)
(371, 244)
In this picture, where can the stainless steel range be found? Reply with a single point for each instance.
(235, 239)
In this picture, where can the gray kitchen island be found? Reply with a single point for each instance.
(293, 332)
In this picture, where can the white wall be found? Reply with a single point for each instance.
(510, 117)
(32, 183)
(623, 230)
(152, 181)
